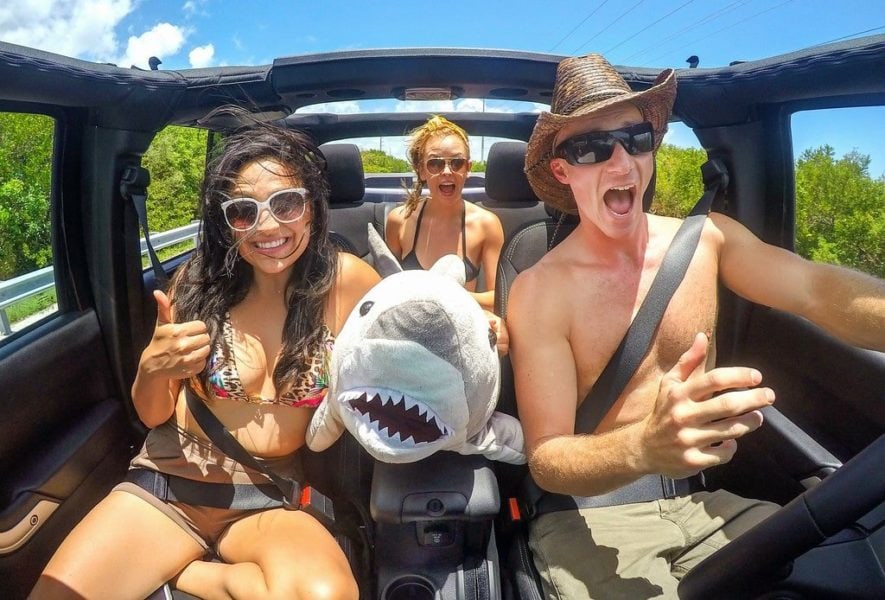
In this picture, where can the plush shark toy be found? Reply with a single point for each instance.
(415, 370)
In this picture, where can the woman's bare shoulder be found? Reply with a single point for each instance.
(482, 215)
(397, 215)
(355, 274)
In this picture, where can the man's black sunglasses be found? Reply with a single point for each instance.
(597, 146)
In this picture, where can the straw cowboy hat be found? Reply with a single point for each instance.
(586, 85)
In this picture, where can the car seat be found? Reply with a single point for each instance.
(526, 241)
(509, 194)
(348, 211)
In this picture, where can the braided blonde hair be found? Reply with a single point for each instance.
(435, 126)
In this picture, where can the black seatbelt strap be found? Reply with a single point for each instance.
(133, 186)
(221, 437)
(636, 342)
(236, 496)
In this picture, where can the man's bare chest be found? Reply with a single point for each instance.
(603, 308)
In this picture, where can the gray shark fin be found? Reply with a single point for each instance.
(383, 259)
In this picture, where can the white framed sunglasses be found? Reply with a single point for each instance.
(286, 206)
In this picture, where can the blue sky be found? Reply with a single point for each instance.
(645, 33)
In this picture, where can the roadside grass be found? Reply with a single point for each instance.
(30, 306)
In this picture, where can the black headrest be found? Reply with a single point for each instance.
(505, 178)
(344, 167)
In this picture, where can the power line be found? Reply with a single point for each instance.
(850, 35)
(604, 29)
(713, 15)
(647, 27)
(593, 12)
(753, 16)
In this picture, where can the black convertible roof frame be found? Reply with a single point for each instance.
(149, 100)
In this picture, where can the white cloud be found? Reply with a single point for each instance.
(430, 106)
(345, 107)
(162, 41)
(79, 28)
(201, 56)
(193, 8)
(469, 105)
(87, 29)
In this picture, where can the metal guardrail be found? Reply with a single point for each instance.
(27, 285)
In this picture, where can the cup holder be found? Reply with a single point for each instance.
(410, 587)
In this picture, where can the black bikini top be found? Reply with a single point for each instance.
(410, 261)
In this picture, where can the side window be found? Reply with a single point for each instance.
(678, 183)
(840, 187)
(27, 287)
(176, 160)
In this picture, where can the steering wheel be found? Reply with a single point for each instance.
(761, 553)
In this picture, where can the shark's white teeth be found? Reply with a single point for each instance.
(396, 438)
(364, 397)
(350, 395)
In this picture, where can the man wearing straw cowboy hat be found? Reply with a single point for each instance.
(593, 155)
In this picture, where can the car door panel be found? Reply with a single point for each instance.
(830, 393)
(65, 440)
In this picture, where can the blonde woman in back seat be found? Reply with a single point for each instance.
(427, 228)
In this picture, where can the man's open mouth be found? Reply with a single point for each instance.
(620, 199)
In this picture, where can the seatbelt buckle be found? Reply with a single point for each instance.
(317, 505)
(514, 510)
(292, 500)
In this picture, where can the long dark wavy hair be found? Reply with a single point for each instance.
(215, 278)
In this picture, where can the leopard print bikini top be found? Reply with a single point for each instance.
(308, 390)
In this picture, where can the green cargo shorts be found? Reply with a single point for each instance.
(636, 550)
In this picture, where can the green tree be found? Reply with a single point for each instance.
(678, 186)
(25, 179)
(176, 160)
(378, 161)
(839, 210)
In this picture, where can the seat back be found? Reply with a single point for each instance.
(509, 194)
(348, 212)
(530, 230)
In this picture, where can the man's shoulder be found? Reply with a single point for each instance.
(543, 279)
(662, 222)
(664, 228)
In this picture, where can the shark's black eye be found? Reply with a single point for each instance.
(365, 307)
(493, 337)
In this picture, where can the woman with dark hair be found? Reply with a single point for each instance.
(247, 328)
